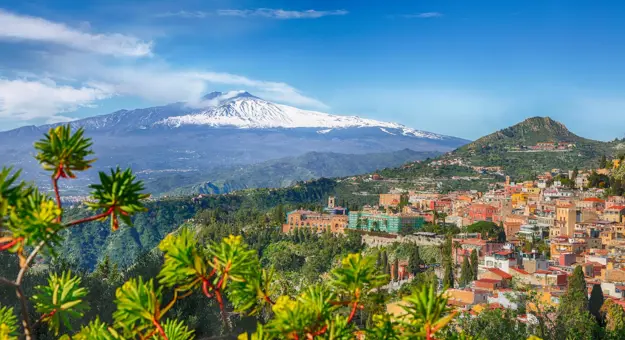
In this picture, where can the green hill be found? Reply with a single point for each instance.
(535, 145)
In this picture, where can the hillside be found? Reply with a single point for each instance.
(278, 173)
(523, 150)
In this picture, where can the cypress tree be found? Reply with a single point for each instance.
(576, 296)
(596, 302)
(396, 270)
(378, 262)
(466, 274)
(414, 261)
(448, 263)
(385, 261)
(474, 264)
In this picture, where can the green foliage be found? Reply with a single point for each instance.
(63, 153)
(60, 301)
(494, 324)
(426, 313)
(488, 230)
(356, 276)
(414, 261)
(466, 273)
(596, 302)
(8, 324)
(118, 195)
(34, 220)
(474, 264)
(97, 329)
(138, 306)
(176, 330)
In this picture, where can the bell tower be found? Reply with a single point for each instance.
(331, 202)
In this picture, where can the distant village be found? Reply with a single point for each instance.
(550, 229)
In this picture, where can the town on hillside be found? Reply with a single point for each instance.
(531, 234)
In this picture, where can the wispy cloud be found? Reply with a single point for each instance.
(23, 99)
(185, 14)
(259, 12)
(424, 15)
(53, 85)
(20, 28)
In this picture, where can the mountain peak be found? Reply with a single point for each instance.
(230, 95)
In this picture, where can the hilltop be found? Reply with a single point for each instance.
(533, 146)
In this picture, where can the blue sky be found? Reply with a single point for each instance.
(453, 67)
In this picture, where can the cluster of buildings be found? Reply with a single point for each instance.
(550, 229)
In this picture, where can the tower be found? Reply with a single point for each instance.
(331, 202)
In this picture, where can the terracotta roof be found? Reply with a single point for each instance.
(500, 272)
(504, 252)
(519, 270)
(487, 281)
(593, 199)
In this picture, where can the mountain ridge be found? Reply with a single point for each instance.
(261, 131)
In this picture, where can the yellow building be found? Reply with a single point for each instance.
(564, 245)
(566, 216)
(519, 198)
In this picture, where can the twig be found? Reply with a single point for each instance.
(159, 328)
(7, 282)
(353, 312)
(90, 218)
(25, 318)
(55, 185)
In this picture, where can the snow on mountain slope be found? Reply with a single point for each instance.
(245, 111)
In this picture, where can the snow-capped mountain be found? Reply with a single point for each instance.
(221, 129)
(242, 110)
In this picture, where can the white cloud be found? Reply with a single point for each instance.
(59, 119)
(184, 14)
(277, 91)
(259, 12)
(160, 83)
(424, 15)
(31, 99)
(83, 73)
(20, 27)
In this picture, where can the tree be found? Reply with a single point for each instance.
(576, 296)
(474, 263)
(457, 246)
(614, 317)
(385, 261)
(396, 270)
(603, 162)
(573, 321)
(414, 261)
(448, 266)
(466, 274)
(596, 302)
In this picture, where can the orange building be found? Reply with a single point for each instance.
(390, 200)
(315, 221)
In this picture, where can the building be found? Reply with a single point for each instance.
(503, 260)
(566, 216)
(380, 222)
(561, 245)
(482, 212)
(315, 221)
(614, 214)
(390, 200)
